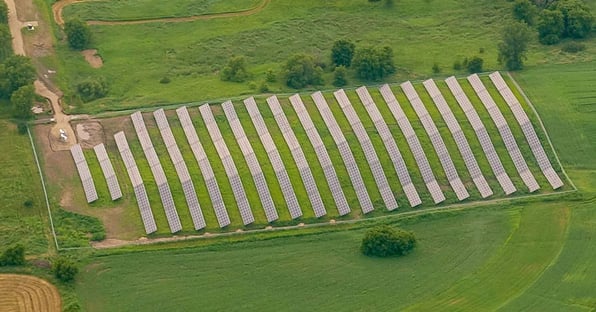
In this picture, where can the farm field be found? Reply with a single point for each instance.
(524, 255)
(132, 215)
(191, 54)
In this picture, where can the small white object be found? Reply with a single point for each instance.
(62, 131)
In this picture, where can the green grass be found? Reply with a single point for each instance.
(147, 9)
(191, 54)
(19, 182)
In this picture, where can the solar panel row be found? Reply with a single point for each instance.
(322, 155)
(137, 183)
(482, 135)
(298, 155)
(459, 137)
(391, 146)
(345, 152)
(158, 173)
(414, 143)
(528, 130)
(274, 157)
(84, 173)
(436, 140)
(229, 165)
(368, 149)
(251, 160)
(108, 171)
(183, 175)
(507, 136)
(206, 170)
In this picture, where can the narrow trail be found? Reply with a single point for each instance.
(61, 119)
(58, 7)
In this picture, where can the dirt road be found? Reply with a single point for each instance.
(60, 5)
(62, 120)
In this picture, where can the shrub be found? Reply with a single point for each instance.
(301, 70)
(64, 269)
(385, 241)
(235, 70)
(165, 80)
(573, 47)
(339, 76)
(457, 65)
(22, 128)
(373, 63)
(436, 68)
(14, 255)
(342, 53)
(28, 203)
(78, 34)
(270, 75)
(92, 89)
(475, 65)
(263, 87)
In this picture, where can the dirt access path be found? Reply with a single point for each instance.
(62, 120)
(60, 5)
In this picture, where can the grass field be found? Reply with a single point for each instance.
(191, 54)
(20, 222)
(528, 255)
(212, 225)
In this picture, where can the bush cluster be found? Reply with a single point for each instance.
(64, 269)
(385, 241)
(14, 255)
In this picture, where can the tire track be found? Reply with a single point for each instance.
(59, 6)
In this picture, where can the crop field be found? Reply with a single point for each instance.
(191, 54)
(124, 123)
(28, 293)
(530, 254)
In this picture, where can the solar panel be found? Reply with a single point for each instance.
(459, 137)
(528, 130)
(84, 173)
(298, 155)
(368, 149)
(345, 152)
(322, 155)
(158, 173)
(206, 170)
(482, 135)
(252, 161)
(274, 157)
(137, 183)
(183, 175)
(505, 131)
(436, 140)
(108, 171)
(391, 146)
(229, 165)
(419, 155)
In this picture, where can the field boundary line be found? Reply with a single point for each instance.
(550, 142)
(45, 192)
(403, 215)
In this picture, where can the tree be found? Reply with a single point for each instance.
(14, 255)
(235, 70)
(92, 89)
(385, 241)
(512, 48)
(64, 269)
(21, 101)
(577, 18)
(5, 42)
(551, 26)
(373, 63)
(342, 53)
(3, 13)
(15, 72)
(300, 71)
(475, 65)
(339, 76)
(525, 11)
(78, 34)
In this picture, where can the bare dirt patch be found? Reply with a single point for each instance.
(89, 133)
(93, 58)
(28, 293)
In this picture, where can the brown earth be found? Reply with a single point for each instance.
(60, 5)
(92, 58)
(28, 293)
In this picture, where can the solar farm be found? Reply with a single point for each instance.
(381, 150)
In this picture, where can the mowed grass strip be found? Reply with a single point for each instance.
(151, 9)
